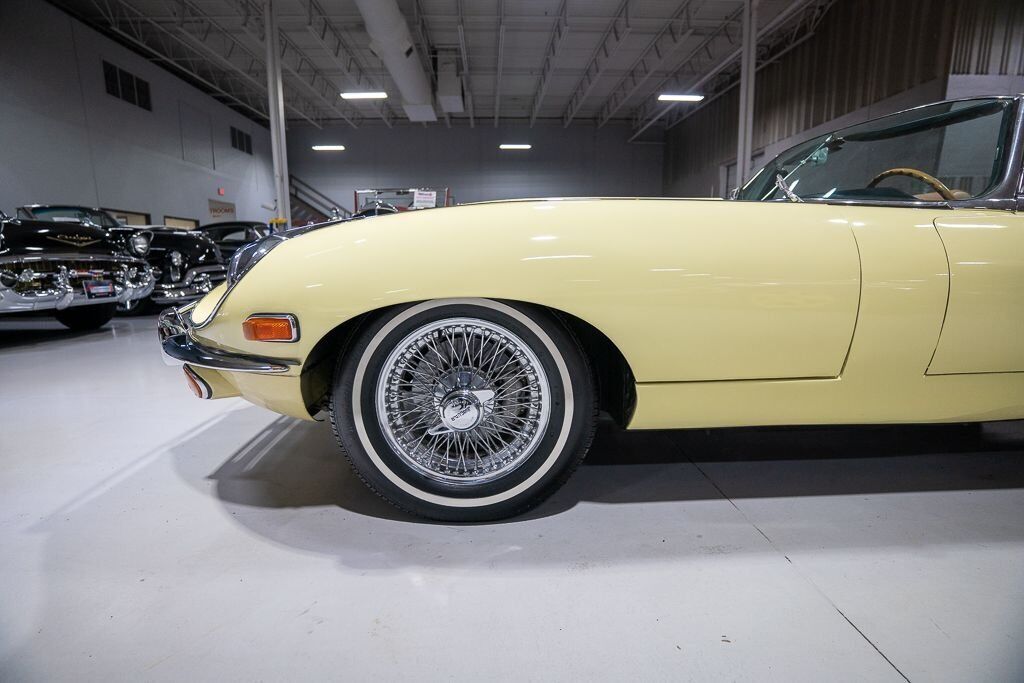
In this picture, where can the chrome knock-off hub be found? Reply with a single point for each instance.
(461, 411)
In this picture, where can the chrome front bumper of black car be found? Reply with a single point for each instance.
(180, 348)
(48, 283)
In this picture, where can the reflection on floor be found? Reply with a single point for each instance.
(148, 535)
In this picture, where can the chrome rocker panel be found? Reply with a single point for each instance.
(179, 348)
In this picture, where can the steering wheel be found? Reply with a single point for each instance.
(914, 173)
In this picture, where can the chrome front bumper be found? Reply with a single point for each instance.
(196, 284)
(61, 293)
(179, 347)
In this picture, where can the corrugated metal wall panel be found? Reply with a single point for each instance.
(863, 52)
(989, 39)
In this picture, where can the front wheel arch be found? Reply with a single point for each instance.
(615, 382)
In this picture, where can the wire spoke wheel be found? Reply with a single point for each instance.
(464, 401)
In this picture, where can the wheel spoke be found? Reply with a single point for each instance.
(463, 400)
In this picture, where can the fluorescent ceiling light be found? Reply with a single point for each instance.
(329, 148)
(508, 145)
(364, 95)
(669, 97)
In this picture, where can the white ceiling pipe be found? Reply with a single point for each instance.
(391, 41)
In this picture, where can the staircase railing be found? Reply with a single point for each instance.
(315, 198)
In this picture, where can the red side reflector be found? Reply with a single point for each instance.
(195, 383)
(278, 328)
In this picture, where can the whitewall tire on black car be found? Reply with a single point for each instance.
(464, 409)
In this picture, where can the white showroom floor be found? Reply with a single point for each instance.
(149, 536)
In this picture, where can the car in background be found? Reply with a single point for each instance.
(375, 208)
(77, 270)
(186, 264)
(132, 240)
(231, 235)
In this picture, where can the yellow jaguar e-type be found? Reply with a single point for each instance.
(874, 274)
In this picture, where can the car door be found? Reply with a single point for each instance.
(727, 290)
(983, 329)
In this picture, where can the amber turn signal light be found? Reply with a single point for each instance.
(271, 328)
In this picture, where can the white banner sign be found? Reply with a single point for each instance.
(424, 199)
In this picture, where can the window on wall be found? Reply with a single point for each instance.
(182, 223)
(129, 217)
(126, 86)
(241, 141)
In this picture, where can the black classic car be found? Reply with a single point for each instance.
(231, 235)
(375, 208)
(78, 270)
(186, 264)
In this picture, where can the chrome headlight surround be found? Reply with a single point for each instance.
(138, 244)
(248, 256)
(176, 259)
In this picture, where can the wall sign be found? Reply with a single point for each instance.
(221, 211)
(424, 199)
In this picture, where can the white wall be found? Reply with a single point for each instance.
(63, 139)
(575, 161)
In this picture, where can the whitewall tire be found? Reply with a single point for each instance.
(464, 409)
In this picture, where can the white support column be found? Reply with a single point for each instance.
(748, 67)
(275, 96)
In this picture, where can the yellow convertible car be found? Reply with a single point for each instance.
(871, 275)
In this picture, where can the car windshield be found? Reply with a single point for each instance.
(240, 235)
(948, 151)
(74, 213)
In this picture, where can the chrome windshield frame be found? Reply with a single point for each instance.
(1007, 193)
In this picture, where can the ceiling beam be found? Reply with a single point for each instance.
(558, 32)
(724, 41)
(769, 53)
(501, 59)
(677, 30)
(344, 57)
(465, 67)
(126, 22)
(222, 47)
(296, 62)
(618, 29)
(705, 63)
(217, 45)
(426, 53)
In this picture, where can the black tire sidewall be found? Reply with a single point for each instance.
(90, 317)
(568, 430)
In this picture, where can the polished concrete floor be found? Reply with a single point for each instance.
(147, 535)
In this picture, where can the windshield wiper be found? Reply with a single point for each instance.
(780, 183)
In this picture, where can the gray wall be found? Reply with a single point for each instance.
(574, 161)
(988, 53)
(64, 139)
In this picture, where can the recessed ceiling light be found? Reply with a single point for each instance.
(509, 145)
(329, 148)
(669, 97)
(375, 95)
